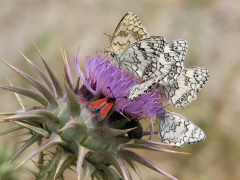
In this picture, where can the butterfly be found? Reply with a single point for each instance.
(104, 106)
(136, 133)
(145, 56)
(177, 130)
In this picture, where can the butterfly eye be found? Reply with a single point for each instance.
(174, 68)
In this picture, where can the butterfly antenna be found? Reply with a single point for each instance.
(109, 37)
(118, 96)
(106, 51)
(99, 51)
(110, 91)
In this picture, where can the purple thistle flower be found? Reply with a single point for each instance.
(101, 73)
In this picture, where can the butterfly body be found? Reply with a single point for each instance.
(177, 130)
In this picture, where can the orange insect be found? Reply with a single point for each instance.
(105, 105)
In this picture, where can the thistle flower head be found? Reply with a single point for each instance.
(101, 73)
(79, 138)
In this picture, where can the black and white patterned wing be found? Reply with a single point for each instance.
(177, 130)
(141, 89)
(184, 91)
(128, 31)
(141, 58)
(153, 58)
(200, 75)
(171, 61)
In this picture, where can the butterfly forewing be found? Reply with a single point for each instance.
(96, 105)
(177, 130)
(128, 31)
(200, 75)
(171, 61)
(141, 58)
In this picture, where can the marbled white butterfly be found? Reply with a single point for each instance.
(177, 130)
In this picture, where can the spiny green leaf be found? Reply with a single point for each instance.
(53, 140)
(46, 93)
(110, 173)
(150, 147)
(99, 175)
(37, 130)
(34, 115)
(29, 142)
(73, 103)
(11, 129)
(23, 134)
(134, 167)
(27, 93)
(105, 157)
(55, 82)
(41, 74)
(20, 101)
(126, 154)
(82, 151)
(50, 169)
(87, 170)
(5, 114)
(64, 162)
(67, 72)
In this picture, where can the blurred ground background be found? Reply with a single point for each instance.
(212, 29)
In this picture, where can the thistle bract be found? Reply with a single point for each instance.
(96, 148)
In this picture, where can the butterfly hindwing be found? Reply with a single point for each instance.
(184, 91)
(200, 75)
(104, 110)
(177, 130)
